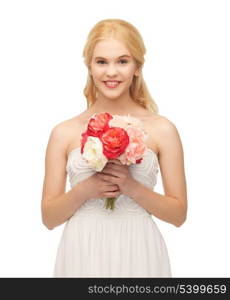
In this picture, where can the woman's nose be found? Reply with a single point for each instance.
(111, 70)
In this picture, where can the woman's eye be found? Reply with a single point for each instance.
(99, 61)
(122, 60)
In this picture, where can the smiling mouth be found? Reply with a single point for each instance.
(112, 84)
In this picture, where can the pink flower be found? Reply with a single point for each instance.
(124, 122)
(136, 147)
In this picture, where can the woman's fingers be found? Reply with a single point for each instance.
(112, 187)
(115, 161)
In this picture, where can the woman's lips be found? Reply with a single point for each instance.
(112, 84)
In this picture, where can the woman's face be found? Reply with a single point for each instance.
(112, 68)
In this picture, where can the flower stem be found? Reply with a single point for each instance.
(110, 203)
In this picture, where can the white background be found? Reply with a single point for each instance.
(42, 76)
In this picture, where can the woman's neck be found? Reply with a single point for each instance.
(116, 106)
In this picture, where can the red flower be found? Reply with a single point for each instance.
(84, 137)
(98, 124)
(114, 140)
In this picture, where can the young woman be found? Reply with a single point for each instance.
(126, 242)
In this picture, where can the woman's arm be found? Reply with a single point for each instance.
(166, 208)
(58, 206)
(171, 207)
(58, 210)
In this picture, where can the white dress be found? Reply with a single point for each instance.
(98, 242)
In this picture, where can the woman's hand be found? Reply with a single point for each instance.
(116, 173)
(96, 187)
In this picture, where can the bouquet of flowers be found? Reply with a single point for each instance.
(113, 137)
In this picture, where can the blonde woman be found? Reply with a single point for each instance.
(126, 242)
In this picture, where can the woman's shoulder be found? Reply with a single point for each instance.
(159, 121)
(68, 130)
(160, 128)
(72, 123)
(65, 127)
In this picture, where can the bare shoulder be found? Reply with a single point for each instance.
(163, 125)
(167, 138)
(164, 133)
(62, 133)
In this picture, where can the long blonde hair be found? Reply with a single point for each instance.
(131, 38)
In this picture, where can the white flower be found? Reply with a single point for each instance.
(93, 153)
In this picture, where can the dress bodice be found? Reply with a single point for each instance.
(145, 172)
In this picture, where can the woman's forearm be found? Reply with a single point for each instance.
(58, 210)
(166, 208)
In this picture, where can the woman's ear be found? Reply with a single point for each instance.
(137, 72)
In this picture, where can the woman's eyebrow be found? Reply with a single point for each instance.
(125, 55)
